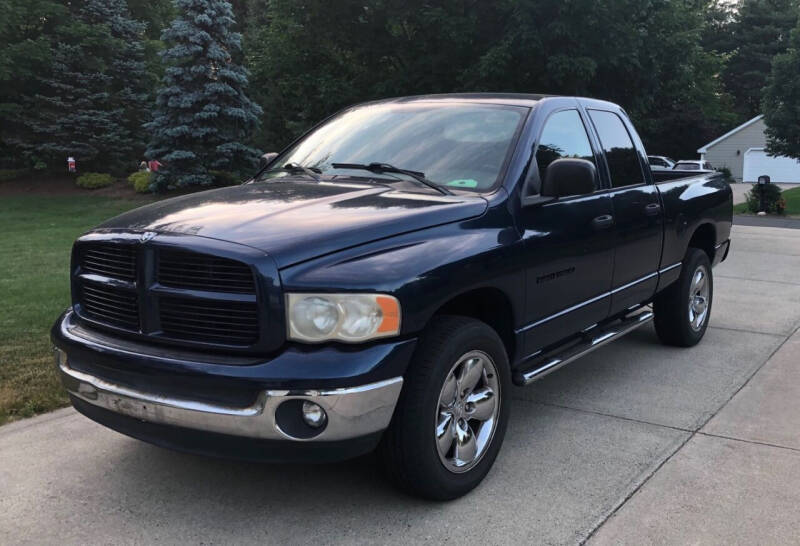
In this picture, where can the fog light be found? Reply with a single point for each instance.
(313, 415)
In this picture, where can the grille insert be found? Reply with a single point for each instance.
(230, 323)
(111, 305)
(116, 261)
(142, 289)
(192, 271)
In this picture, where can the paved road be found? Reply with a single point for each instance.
(636, 443)
(766, 221)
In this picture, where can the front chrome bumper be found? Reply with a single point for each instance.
(351, 412)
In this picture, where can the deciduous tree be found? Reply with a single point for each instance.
(310, 59)
(782, 101)
(759, 32)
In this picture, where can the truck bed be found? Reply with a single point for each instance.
(667, 176)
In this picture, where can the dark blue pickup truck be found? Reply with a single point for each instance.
(385, 280)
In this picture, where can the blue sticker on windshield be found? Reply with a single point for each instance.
(463, 183)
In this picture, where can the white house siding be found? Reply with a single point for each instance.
(730, 151)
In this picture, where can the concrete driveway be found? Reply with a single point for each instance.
(636, 443)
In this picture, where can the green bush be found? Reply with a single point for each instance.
(224, 178)
(12, 174)
(726, 173)
(92, 181)
(140, 181)
(773, 201)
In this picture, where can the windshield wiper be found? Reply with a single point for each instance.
(294, 168)
(379, 168)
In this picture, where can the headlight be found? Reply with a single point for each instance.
(343, 317)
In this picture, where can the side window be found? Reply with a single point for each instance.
(621, 154)
(563, 136)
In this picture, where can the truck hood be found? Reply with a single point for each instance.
(294, 220)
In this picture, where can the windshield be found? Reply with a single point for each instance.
(687, 166)
(460, 146)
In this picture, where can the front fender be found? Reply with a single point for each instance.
(424, 269)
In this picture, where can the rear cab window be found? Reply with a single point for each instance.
(622, 156)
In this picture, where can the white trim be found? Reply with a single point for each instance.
(704, 149)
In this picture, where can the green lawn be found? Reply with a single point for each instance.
(38, 232)
(792, 197)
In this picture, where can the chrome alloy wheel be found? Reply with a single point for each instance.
(468, 410)
(698, 298)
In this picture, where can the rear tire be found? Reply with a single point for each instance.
(682, 311)
(451, 417)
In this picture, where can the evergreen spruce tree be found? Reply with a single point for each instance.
(71, 116)
(28, 31)
(91, 104)
(130, 83)
(203, 115)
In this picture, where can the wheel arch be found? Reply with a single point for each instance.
(487, 304)
(705, 239)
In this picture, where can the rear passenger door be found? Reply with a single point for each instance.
(637, 231)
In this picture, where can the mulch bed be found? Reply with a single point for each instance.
(65, 185)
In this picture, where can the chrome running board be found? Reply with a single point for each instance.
(592, 339)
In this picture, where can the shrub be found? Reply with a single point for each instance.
(726, 173)
(224, 178)
(12, 174)
(140, 181)
(773, 202)
(92, 181)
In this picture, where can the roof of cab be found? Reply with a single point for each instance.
(512, 99)
(515, 99)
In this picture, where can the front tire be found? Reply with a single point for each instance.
(452, 415)
(682, 311)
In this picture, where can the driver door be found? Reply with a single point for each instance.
(568, 243)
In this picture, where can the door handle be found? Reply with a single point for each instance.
(652, 209)
(603, 222)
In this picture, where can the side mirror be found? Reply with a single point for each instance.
(268, 158)
(569, 177)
